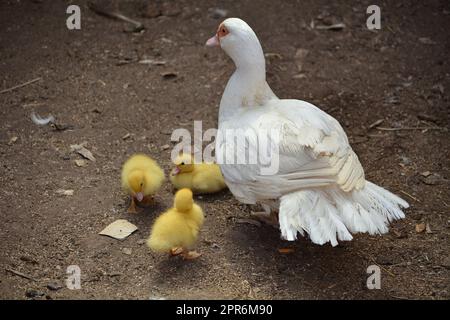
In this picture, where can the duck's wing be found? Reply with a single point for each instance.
(308, 149)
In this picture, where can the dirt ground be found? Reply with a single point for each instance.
(91, 82)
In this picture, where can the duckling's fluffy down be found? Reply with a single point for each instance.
(177, 227)
(154, 175)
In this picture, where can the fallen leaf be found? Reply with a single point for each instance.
(81, 150)
(420, 227)
(12, 140)
(399, 235)
(127, 251)
(63, 192)
(119, 229)
(428, 228)
(286, 250)
(271, 55)
(165, 147)
(431, 180)
(426, 173)
(300, 56)
(249, 221)
(81, 163)
(169, 75)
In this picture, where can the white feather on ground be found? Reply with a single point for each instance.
(41, 121)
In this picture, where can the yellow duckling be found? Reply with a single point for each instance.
(141, 178)
(176, 230)
(199, 177)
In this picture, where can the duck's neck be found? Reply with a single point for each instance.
(246, 88)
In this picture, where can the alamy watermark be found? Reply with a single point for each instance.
(374, 279)
(73, 22)
(235, 146)
(73, 281)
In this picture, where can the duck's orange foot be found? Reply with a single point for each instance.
(147, 200)
(176, 251)
(132, 207)
(190, 255)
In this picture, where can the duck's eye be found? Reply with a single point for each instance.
(182, 163)
(142, 184)
(223, 32)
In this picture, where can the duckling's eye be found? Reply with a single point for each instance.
(182, 163)
(142, 184)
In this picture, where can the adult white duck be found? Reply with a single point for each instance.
(319, 187)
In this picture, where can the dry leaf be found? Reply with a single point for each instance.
(81, 163)
(428, 228)
(169, 75)
(12, 140)
(249, 221)
(81, 150)
(127, 251)
(64, 192)
(286, 250)
(119, 229)
(272, 55)
(300, 56)
(420, 227)
(426, 173)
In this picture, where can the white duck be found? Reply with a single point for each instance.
(320, 187)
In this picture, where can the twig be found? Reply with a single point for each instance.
(376, 123)
(138, 26)
(409, 128)
(20, 85)
(374, 261)
(412, 197)
(20, 274)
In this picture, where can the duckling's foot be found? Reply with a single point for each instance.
(176, 251)
(132, 207)
(190, 255)
(148, 200)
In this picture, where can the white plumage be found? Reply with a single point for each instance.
(319, 187)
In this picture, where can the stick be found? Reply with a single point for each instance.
(20, 274)
(412, 197)
(138, 26)
(409, 128)
(20, 85)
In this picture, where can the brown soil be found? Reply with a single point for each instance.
(356, 75)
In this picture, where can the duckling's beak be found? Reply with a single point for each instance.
(139, 196)
(175, 171)
(213, 41)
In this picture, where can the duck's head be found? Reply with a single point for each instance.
(183, 164)
(239, 42)
(136, 181)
